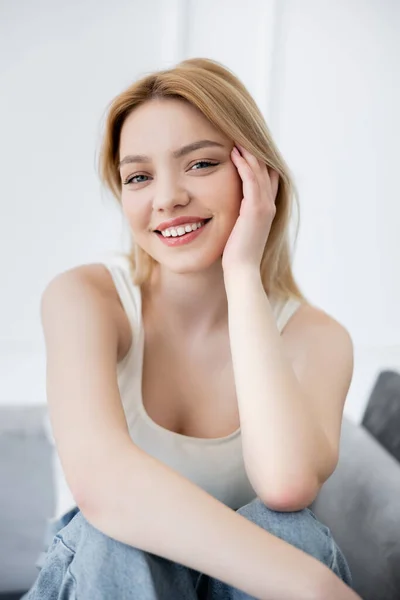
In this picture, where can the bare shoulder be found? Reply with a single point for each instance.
(97, 281)
(311, 326)
(96, 275)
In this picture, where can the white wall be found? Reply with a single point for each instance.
(336, 116)
(324, 73)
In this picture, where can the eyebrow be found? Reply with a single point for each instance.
(141, 158)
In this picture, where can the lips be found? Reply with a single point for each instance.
(183, 240)
(176, 226)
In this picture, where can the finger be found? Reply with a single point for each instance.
(243, 165)
(256, 165)
(249, 178)
(261, 172)
(246, 169)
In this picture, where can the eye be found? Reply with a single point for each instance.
(205, 162)
(130, 179)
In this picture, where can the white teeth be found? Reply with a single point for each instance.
(181, 229)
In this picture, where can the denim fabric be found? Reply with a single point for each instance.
(82, 563)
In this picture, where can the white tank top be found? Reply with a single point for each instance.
(215, 464)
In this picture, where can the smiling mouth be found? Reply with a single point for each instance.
(204, 220)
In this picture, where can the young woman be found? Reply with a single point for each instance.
(195, 395)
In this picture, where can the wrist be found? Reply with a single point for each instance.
(242, 276)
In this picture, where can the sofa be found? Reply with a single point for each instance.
(360, 502)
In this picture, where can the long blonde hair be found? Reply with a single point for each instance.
(225, 102)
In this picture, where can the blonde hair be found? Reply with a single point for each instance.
(225, 102)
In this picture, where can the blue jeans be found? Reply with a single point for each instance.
(82, 563)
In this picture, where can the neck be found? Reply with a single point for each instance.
(194, 303)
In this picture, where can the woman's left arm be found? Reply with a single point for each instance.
(291, 390)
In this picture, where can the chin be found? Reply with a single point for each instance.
(187, 263)
(186, 267)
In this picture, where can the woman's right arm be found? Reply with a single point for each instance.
(129, 495)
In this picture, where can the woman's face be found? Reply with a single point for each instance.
(202, 183)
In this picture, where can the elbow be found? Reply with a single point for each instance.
(85, 494)
(92, 487)
(292, 498)
(300, 492)
(85, 497)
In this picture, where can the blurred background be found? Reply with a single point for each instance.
(325, 75)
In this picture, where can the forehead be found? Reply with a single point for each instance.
(169, 122)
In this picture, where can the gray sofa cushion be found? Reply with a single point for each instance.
(360, 504)
(26, 494)
(382, 415)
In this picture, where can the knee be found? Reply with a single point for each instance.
(75, 530)
(103, 566)
(300, 529)
(84, 562)
(85, 541)
(100, 560)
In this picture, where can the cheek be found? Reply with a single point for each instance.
(229, 186)
(135, 211)
(234, 191)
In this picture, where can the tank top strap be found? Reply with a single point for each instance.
(128, 292)
(284, 310)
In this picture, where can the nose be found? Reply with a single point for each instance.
(168, 195)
